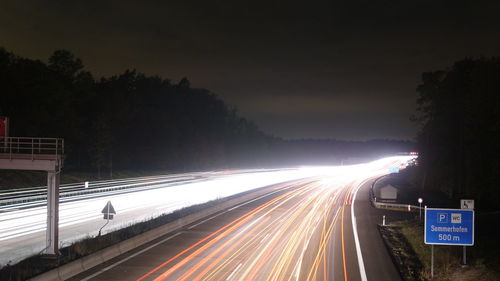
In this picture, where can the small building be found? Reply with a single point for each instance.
(388, 193)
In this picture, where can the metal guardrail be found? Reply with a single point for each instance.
(402, 207)
(71, 191)
(34, 148)
(97, 191)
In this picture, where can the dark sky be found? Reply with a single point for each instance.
(299, 69)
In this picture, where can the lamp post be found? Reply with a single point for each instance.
(420, 200)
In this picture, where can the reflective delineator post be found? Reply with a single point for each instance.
(420, 200)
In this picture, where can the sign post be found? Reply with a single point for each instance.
(108, 211)
(448, 227)
(467, 204)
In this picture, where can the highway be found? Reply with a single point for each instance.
(23, 224)
(295, 235)
(302, 230)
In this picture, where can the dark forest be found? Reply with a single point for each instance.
(135, 121)
(458, 110)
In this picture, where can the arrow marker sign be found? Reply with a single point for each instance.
(108, 211)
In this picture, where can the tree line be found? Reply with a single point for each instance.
(135, 121)
(458, 110)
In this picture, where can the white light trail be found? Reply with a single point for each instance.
(23, 231)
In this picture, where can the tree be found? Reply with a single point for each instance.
(65, 63)
(457, 111)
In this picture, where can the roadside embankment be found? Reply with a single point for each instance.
(405, 241)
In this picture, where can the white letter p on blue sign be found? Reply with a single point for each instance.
(442, 217)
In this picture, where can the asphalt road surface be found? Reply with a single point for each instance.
(300, 231)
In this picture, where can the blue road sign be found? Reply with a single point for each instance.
(394, 170)
(449, 227)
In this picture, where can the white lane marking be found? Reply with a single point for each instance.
(203, 221)
(235, 207)
(361, 264)
(234, 271)
(166, 239)
(129, 257)
(260, 197)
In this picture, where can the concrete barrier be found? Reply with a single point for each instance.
(76, 267)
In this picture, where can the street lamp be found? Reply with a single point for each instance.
(420, 200)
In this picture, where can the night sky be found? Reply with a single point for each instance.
(299, 69)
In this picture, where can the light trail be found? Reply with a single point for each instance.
(281, 267)
(269, 243)
(210, 236)
(233, 226)
(23, 230)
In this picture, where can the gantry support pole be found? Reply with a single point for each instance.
(52, 234)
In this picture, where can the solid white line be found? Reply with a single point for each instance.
(255, 199)
(361, 264)
(234, 271)
(170, 237)
(129, 257)
(203, 221)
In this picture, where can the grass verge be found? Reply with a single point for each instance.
(447, 259)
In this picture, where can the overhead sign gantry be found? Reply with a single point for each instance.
(37, 154)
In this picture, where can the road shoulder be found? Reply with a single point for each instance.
(377, 260)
